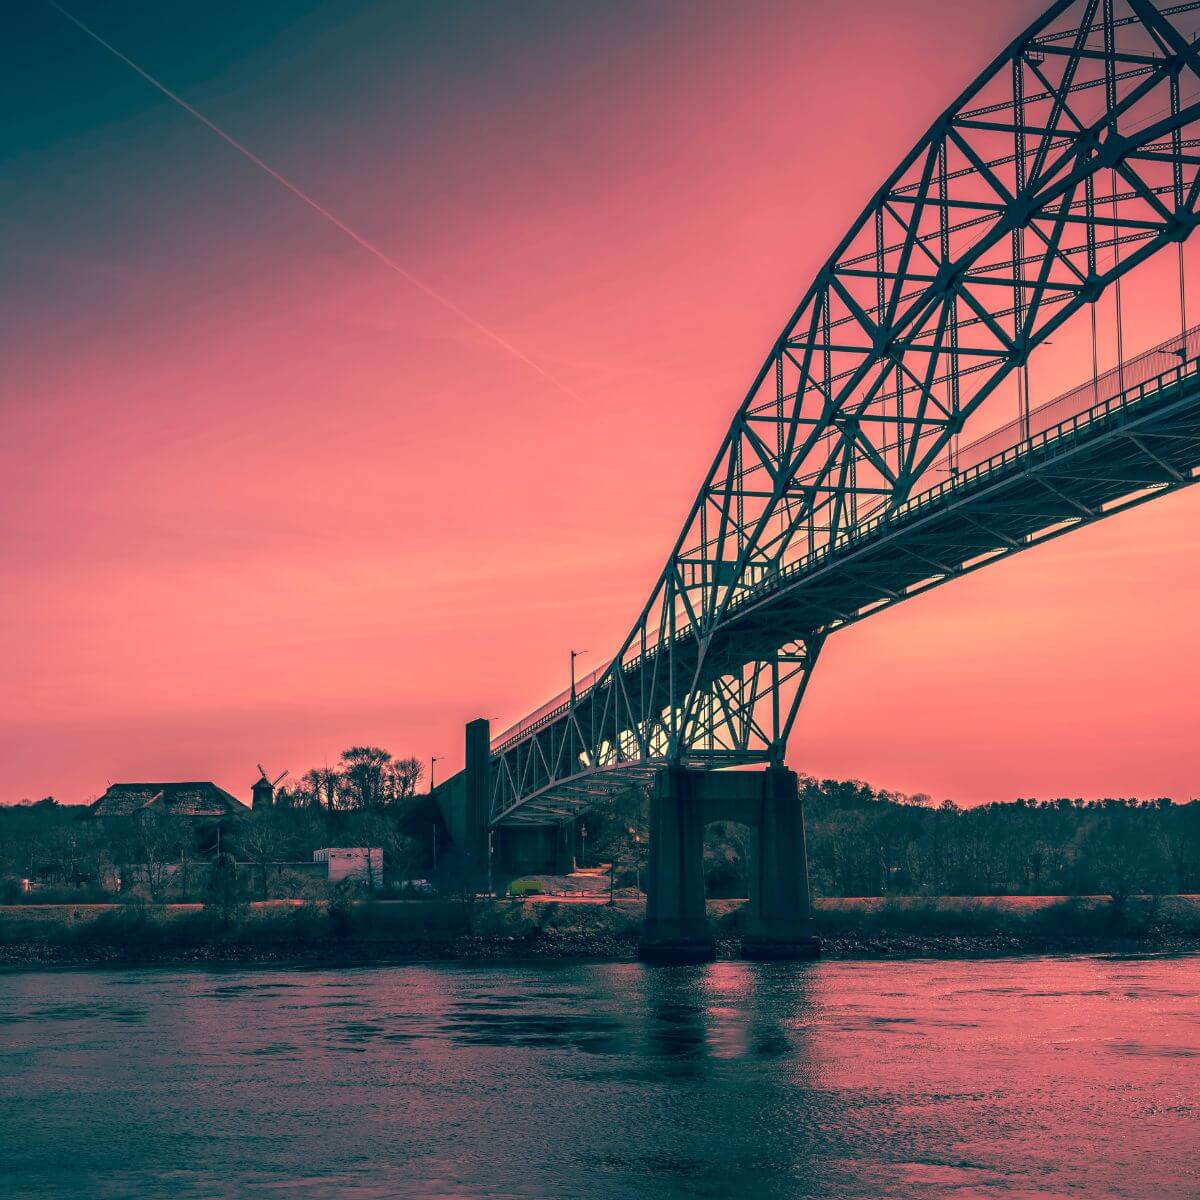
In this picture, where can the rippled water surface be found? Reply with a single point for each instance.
(1010, 1078)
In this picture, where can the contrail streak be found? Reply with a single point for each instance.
(318, 208)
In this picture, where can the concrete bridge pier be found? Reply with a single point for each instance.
(676, 926)
(779, 921)
(779, 914)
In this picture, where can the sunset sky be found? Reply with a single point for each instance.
(263, 497)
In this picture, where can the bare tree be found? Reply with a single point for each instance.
(377, 829)
(160, 835)
(261, 840)
(402, 777)
(323, 785)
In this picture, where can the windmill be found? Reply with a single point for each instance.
(263, 791)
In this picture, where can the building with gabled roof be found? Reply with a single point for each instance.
(198, 801)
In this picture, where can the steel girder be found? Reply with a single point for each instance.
(1070, 161)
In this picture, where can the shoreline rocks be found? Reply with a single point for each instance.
(551, 945)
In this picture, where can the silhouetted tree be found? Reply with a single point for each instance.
(401, 778)
(318, 788)
(364, 775)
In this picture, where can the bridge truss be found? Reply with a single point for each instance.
(1071, 160)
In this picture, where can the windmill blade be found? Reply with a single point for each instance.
(262, 770)
(277, 781)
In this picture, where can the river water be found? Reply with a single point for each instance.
(1020, 1077)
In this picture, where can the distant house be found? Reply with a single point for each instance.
(197, 802)
(351, 862)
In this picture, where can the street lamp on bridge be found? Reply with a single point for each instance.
(574, 655)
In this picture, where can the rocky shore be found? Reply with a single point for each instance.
(559, 945)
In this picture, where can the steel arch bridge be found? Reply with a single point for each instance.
(853, 475)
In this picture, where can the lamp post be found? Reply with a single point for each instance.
(583, 846)
(436, 758)
(637, 860)
(574, 655)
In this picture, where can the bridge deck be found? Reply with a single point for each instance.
(1119, 453)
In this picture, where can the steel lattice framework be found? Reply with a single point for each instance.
(1071, 160)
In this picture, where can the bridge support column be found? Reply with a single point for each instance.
(676, 926)
(779, 916)
(477, 780)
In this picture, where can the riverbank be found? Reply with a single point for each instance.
(292, 932)
(565, 948)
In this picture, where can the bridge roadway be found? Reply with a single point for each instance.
(1138, 445)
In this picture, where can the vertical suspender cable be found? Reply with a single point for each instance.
(1090, 202)
(1183, 325)
(944, 249)
(1177, 182)
(1110, 97)
(1117, 289)
(1028, 401)
(1018, 243)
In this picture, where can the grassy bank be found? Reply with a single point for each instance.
(391, 930)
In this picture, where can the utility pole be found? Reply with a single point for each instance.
(491, 851)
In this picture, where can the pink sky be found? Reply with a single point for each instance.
(264, 499)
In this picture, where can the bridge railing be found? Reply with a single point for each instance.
(1012, 453)
(1133, 393)
(552, 708)
(1121, 378)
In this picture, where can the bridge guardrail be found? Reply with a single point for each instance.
(1071, 425)
(1106, 385)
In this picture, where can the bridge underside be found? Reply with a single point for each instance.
(567, 798)
(1121, 453)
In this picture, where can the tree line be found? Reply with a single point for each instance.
(366, 778)
(862, 841)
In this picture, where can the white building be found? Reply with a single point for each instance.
(364, 863)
